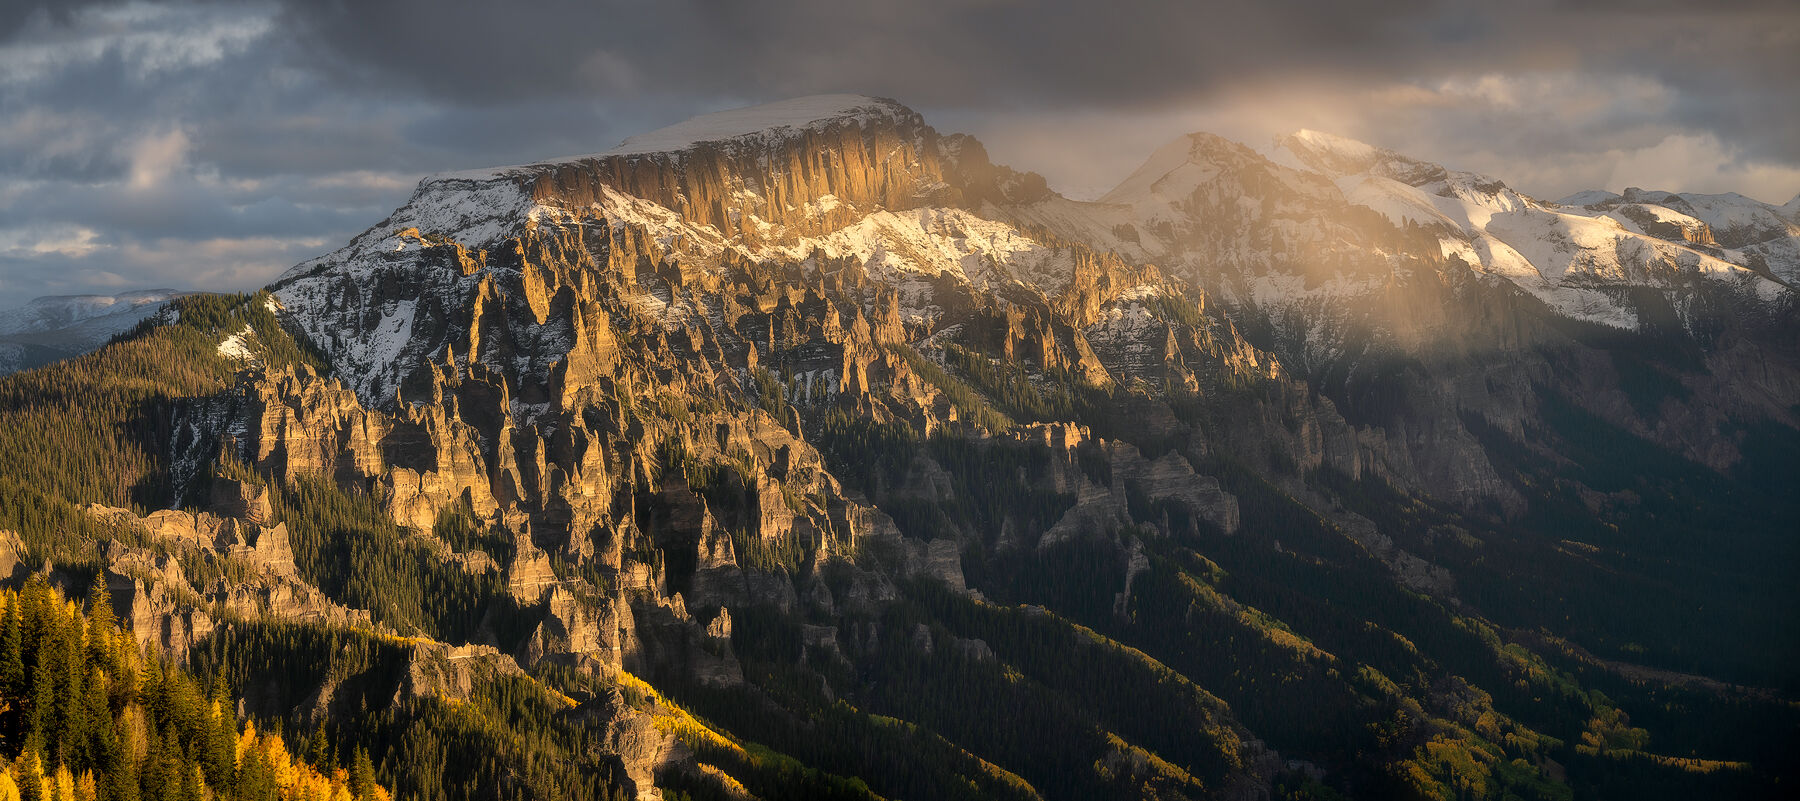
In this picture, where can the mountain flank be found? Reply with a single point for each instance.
(802, 451)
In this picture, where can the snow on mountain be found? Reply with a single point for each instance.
(481, 207)
(1171, 173)
(49, 329)
(884, 217)
(1332, 154)
(1734, 218)
(1590, 197)
(1265, 227)
(1560, 252)
(1191, 163)
(1281, 231)
(58, 312)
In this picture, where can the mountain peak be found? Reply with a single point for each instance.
(780, 119)
(1175, 168)
(1332, 154)
(800, 113)
(1341, 146)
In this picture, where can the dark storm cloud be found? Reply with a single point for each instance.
(927, 51)
(15, 15)
(1127, 53)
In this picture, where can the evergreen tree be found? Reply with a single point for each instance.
(31, 776)
(318, 749)
(43, 706)
(12, 672)
(102, 622)
(362, 775)
(145, 734)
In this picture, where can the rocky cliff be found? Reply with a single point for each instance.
(766, 404)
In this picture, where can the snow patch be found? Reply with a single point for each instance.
(1590, 197)
(237, 347)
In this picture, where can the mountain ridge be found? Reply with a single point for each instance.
(849, 463)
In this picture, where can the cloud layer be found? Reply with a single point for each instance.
(210, 145)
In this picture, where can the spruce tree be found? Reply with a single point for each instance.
(101, 622)
(12, 672)
(318, 749)
(362, 775)
(31, 776)
(43, 707)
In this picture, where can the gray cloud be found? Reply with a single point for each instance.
(1035, 55)
(210, 145)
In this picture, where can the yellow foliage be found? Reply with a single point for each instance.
(246, 740)
(674, 719)
(278, 756)
(29, 762)
(63, 783)
(9, 789)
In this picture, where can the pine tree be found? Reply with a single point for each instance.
(12, 671)
(218, 750)
(318, 748)
(43, 705)
(31, 776)
(362, 775)
(102, 622)
(146, 734)
(154, 777)
(193, 788)
(256, 777)
(72, 723)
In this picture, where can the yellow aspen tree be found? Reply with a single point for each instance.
(246, 740)
(63, 784)
(277, 752)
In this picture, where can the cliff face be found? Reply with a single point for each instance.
(819, 180)
(497, 341)
(838, 368)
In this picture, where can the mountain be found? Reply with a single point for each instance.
(56, 327)
(802, 451)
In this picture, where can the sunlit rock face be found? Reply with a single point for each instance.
(733, 371)
(495, 337)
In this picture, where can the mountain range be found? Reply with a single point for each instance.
(802, 451)
(56, 327)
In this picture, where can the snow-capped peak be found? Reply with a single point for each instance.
(1591, 197)
(1330, 153)
(1175, 169)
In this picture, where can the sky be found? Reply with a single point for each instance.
(212, 145)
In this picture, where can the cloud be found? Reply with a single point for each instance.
(1701, 163)
(153, 158)
(150, 39)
